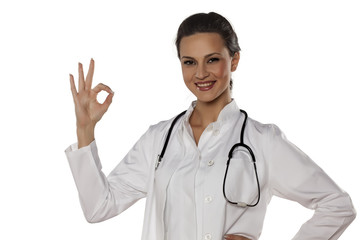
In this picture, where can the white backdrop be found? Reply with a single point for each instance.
(299, 69)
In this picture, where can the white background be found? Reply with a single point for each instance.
(299, 69)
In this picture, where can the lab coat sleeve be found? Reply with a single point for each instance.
(294, 176)
(104, 197)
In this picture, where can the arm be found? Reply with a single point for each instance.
(104, 197)
(101, 197)
(294, 176)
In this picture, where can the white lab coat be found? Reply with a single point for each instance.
(283, 170)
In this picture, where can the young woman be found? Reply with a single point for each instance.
(213, 174)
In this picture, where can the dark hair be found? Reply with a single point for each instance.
(209, 23)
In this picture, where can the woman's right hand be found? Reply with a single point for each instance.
(87, 109)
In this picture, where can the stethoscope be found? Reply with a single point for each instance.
(241, 144)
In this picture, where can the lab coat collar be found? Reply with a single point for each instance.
(226, 113)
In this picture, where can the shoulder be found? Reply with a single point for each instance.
(268, 135)
(263, 128)
(164, 125)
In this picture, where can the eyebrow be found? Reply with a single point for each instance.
(206, 56)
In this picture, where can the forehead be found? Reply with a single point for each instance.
(201, 44)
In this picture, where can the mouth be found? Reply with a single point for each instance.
(205, 86)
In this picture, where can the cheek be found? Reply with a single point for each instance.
(187, 74)
(222, 70)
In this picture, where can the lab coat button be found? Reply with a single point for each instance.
(208, 199)
(210, 163)
(208, 236)
(216, 132)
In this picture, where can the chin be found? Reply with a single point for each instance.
(208, 99)
(212, 98)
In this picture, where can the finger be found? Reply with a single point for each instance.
(73, 87)
(90, 74)
(234, 237)
(228, 237)
(81, 77)
(102, 87)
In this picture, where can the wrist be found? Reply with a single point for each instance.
(85, 135)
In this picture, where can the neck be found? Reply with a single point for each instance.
(208, 112)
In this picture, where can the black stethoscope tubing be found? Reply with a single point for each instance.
(240, 144)
(161, 155)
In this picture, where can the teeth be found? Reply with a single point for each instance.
(205, 84)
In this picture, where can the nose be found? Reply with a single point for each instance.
(201, 72)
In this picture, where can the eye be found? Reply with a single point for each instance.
(211, 60)
(189, 62)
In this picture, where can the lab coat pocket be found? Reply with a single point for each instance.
(241, 184)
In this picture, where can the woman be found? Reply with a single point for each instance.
(190, 191)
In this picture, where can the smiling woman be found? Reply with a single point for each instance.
(185, 192)
(206, 66)
(206, 61)
(209, 23)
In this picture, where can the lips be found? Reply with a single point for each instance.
(205, 86)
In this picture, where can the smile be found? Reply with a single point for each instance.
(205, 86)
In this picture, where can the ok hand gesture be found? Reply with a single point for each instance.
(87, 109)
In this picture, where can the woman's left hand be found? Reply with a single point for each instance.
(235, 237)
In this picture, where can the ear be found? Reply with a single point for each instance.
(235, 61)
